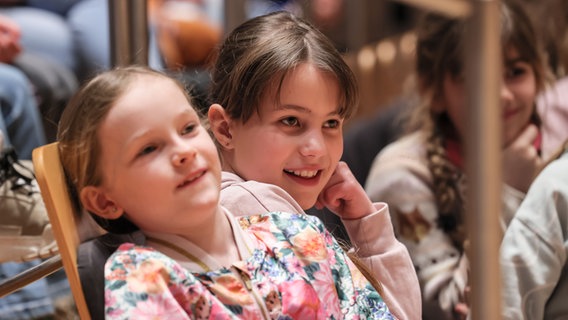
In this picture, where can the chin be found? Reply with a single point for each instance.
(508, 138)
(306, 203)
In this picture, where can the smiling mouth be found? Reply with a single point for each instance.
(306, 174)
(191, 179)
(509, 114)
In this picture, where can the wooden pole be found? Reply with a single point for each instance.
(483, 154)
(483, 151)
(128, 21)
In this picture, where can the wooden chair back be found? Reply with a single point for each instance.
(55, 193)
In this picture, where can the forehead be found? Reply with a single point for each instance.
(148, 90)
(511, 52)
(146, 99)
(304, 86)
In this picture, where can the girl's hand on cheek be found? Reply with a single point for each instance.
(521, 161)
(344, 196)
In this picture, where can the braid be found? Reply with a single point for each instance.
(445, 185)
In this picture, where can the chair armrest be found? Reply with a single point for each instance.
(30, 275)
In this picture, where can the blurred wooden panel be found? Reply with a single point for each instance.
(384, 70)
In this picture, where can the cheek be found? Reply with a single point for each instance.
(525, 98)
(260, 157)
(528, 96)
(335, 147)
(136, 181)
(215, 161)
(256, 147)
(524, 91)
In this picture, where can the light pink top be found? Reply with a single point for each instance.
(553, 109)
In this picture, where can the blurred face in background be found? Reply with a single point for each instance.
(517, 96)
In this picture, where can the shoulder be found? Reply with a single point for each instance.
(400, 166)
(410, 146)
(294, 236)
(548, 190)
(551, 182)
(407, 153)
(252, 197)
(278, 220)
(93, 254)
(554, 96)
(130, 256)
(134, 252)
(132, 260)
(275, 227)
(556, 170)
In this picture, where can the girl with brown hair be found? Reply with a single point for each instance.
(421, 176)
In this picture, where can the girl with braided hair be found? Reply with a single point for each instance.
(421, 176)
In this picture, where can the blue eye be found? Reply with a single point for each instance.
(290, 121)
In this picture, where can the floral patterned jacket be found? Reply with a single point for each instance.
(296, 271)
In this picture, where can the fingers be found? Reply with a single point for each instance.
(461, 310)
(526, 137)
(340, 184)
(344, 196)
(521, 160)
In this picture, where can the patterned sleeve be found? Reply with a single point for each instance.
(141, 283)
(534, 249)
(378, 248)
(349, 281)
(442, 270)
(342, 291)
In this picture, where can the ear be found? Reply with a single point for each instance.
(96, 201)
(220, 124)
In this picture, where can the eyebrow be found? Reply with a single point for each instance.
(512, 61)
(140, 134)
(300, 109)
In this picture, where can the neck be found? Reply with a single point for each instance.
(216, 237)
(227, 162)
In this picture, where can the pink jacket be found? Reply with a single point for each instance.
(372, 236)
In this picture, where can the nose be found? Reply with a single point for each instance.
(505, 94)
(183, 154)
(313, 144)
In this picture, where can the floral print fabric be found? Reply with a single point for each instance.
(297, 271)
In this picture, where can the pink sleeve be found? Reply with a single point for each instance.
(373, 238)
